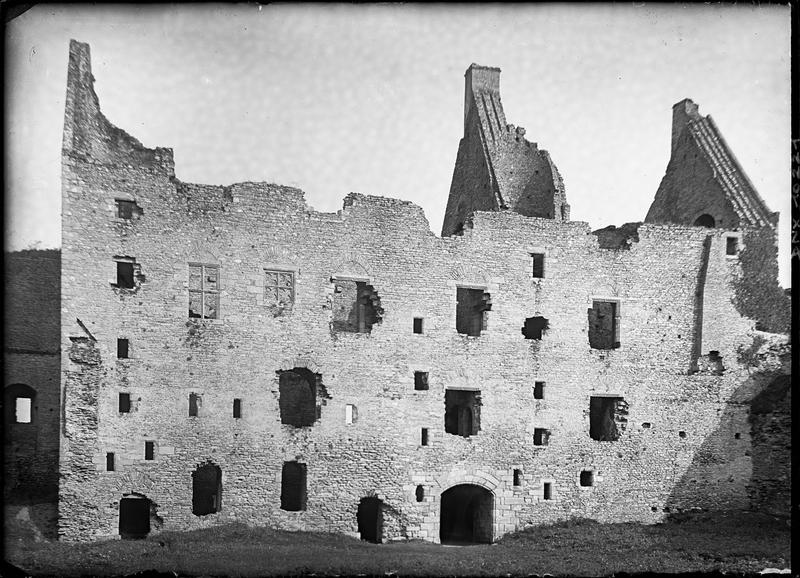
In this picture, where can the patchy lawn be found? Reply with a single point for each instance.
(732, 542)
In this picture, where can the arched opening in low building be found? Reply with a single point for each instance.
(134, 517)
(370, 519)
(466, 515)
(206, 489)
(705, 220)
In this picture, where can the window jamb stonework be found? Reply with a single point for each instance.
(204, 287)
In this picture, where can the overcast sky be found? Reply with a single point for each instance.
(334, 99)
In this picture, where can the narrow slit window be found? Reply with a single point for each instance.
(538, 390)
(420, 493)
(424, 437)
(237, 408)
(420, 380)
(548, 491)
(149, 450)
(517, 477)
(122, 348)
(124, 402)
(194, 402)
(203, 291)
(537, 271)
(110, 462)
(417, 324)
(349, 414)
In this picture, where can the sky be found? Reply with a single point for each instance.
(335, 99)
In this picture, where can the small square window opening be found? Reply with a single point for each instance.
(420, 380)
(587, 478)
(538, 390)
(125, 275)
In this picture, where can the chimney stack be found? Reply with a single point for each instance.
(683, 113)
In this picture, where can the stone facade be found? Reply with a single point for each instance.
(221, 291)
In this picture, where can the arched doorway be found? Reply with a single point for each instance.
(705, 220)
(370, 520)
(134, 517)
(466, 515)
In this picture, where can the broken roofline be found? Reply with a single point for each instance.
(81, 94)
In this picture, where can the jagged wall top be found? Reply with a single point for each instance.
(87, 132)
(497, 168)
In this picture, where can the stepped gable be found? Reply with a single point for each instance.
(497, 168)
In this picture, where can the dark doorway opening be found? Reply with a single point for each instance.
(134, 517)
(206, 490)
(370, 520)
(466, 515)
(462, 412)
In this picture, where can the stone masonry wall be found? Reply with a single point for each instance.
(675, 403)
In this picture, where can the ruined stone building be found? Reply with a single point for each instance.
(230, 355)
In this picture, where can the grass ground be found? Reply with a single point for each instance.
(733, 542)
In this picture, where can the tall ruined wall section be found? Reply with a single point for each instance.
(31, 359)
(703, 178)
(497, 168)
(675, 402)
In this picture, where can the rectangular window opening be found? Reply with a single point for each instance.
(122, 348)
(124, 402)
(149, 450)
(127, 209)
(23, 410)
(538, 390)
(471, 308)
(356, 307)
(587, 478)
(604, 325)
(731, 245)
(125, 275)
(517, 477)
(194, 402)
(203, 291)
(237, 408)
(424, 437)
(538, 265)
(279, 288)
(420, 380)
(349, 414)
(548, 491)
(462, 412)
(417, 324)
(110, 462)
(541, 437)
(608, 418)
